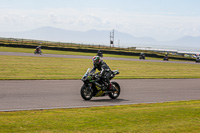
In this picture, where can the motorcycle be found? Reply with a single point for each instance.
(100, 54)
(92, 86)
(198, 60)
(166, 58)
(37, 51)
(142, 57)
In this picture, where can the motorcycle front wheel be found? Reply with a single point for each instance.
(86, 93)
(116, 93)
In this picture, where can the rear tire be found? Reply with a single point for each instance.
(115, 94)
(85, 93)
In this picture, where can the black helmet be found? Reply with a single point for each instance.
(96, 60)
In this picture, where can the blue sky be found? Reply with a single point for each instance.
(161, 19)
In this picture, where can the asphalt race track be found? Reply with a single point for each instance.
(49, 94)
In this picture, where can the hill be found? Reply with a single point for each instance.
(89, 37)
(101, 37)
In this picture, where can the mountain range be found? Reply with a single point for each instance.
(100, 37)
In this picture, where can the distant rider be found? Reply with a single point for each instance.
(38, 48)
(100, 53)
(142, 55)
(166, 56)
(104, 69)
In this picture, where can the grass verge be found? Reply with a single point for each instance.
(179, 117)
(21, 67)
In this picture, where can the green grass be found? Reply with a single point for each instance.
(177, 117)
(21, 67)
(28, 50)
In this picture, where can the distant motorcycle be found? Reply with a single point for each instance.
(142, 57)
(198, 60)
(92, 86)
(100, 54)
(37, 51)
(166, 58)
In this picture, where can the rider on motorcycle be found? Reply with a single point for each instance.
(99, 53)
(104, 69)
(142, 55)
(38, 48)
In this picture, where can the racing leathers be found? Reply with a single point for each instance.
(105, 73)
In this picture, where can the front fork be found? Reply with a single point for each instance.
(89, 87)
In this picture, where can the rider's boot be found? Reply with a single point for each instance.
(104, 86)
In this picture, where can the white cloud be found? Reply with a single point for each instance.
(162, 26)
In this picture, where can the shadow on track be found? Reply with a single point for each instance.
(108, 100)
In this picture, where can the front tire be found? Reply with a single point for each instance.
(86, 94)
(115, 94)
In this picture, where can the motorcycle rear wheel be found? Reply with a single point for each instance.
(115, 94)
(86, 94)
